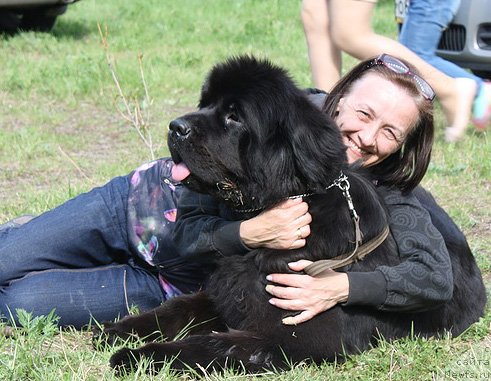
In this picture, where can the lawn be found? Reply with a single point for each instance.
(62, 133)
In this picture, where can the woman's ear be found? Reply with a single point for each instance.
(338, 107)
(340, 103)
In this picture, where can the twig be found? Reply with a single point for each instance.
(132, 114)
(75, 164)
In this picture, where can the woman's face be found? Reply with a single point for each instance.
(375, 119)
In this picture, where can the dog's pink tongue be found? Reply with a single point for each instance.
(180, 172)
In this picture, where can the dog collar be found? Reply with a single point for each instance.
(340, 182)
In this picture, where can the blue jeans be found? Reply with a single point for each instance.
(422, 29)
(75, 259)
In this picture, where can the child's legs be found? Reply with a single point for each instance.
(423, 28)
(324, 56)
(100, 293)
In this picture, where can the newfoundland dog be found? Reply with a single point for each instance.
(255, 140)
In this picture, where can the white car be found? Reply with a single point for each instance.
(38, 15)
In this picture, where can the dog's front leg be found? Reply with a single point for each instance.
(216, 351)
(187, 314)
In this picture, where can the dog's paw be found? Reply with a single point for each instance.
(98, 339)
(124, 361)
(150, 358)
(108, 335)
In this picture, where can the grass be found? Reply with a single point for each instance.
(61, 134)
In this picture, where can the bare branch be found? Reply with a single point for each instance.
(75, 165)
(132, 111)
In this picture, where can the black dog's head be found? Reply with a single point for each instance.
(255, 139)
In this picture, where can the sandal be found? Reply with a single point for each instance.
(481, 111)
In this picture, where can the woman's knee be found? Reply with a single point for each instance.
(13, 299)
(78, 296)
(314, 17)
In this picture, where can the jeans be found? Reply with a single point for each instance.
(75, 259)
(421, 32)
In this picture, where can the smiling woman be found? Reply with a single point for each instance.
(372, 123)
(396, 142)
(120, 244)
(57, 90)
(123, 232)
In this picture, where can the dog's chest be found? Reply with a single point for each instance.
(237, 289)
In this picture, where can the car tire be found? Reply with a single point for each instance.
(9, 22)
(482, 73)
(38, 22)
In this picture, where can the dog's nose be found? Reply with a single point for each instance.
(180, 127)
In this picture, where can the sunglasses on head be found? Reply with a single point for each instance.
(400, 67)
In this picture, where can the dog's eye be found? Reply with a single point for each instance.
(232, 116)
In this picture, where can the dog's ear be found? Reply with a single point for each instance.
(319, 152)
(301, 151)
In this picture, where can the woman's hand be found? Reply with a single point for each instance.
(284, 226)
(307, 294)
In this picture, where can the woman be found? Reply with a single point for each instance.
(102, 252)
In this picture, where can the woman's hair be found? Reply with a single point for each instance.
(406, 167)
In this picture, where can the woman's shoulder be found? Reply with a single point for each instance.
(392, 195)
(421, 202)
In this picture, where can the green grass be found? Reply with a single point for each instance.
(61, 134)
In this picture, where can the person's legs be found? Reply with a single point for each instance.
(351, 25)
(75, 259)
(78, 296)
(422, 30)
(324, 56)
(352, 33)
(85, 232)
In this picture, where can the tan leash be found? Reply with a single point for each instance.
(316, 268)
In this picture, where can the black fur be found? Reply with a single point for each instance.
(258, 137)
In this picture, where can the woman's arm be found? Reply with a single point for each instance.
(204, 227)
(424, 279)
(201, 231)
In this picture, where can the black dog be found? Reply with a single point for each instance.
(255, 140)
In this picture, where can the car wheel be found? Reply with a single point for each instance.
(37, 21)
(9, 22)
(482, 73)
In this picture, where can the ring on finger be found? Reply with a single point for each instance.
(299, 233)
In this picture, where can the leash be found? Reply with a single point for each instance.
(316, 268)
(361, 250)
